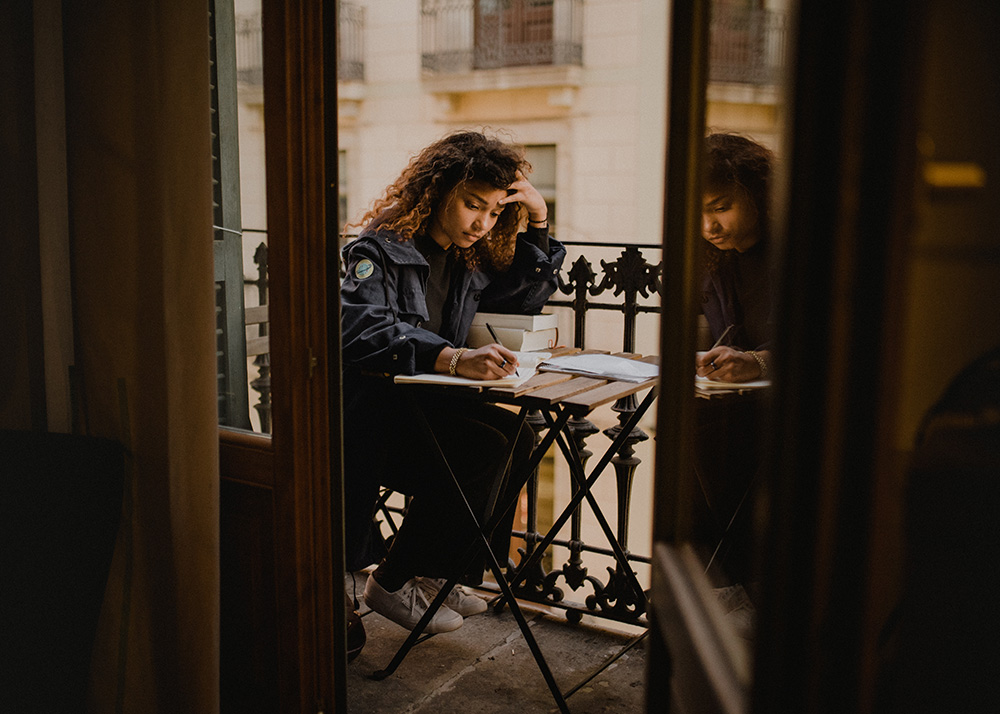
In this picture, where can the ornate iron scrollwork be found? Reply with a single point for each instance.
(630, 277)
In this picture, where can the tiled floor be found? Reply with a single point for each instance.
(485, 667)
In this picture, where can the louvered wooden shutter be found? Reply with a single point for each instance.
(228, 240)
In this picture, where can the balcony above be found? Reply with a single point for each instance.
(747, 46)
(485, 45)
(350, 42)
(487, 80)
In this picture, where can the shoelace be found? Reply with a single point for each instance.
(433, 586)
(417, 597)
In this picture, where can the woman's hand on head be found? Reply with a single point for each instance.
(522, 191)
(726, 364)
(487, 362)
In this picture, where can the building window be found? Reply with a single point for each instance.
(513, 33)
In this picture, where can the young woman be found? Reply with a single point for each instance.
(737, 292)
(440, 244)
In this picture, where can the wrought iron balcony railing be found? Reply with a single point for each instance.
(465, 35)
(350, 42)
(627, 283)
(747, 45)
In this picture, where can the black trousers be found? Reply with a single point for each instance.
(728, 452)
(436, 534)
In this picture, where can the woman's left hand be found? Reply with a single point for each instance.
(725, 364)
(524, 192)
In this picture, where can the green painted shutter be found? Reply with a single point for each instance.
(228, 240)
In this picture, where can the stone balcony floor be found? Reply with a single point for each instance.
(486, 667)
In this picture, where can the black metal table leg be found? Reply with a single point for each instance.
(415, 634)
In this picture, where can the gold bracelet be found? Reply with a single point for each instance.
(453, 365)
(760, 362)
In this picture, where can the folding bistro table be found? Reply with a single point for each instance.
(558, 396)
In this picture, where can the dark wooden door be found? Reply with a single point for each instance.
(283, 643)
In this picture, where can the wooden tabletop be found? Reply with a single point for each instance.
(577, 393)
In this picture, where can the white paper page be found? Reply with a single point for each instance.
(601, 365)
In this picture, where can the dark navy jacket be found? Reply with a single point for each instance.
(383, 299)
(747, 304)
(383, 304)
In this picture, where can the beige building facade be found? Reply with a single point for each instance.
(584, 88)
(580, 83)
(599, 115)
(600, 118)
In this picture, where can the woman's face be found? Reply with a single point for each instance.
(469, 213)
(729, 220)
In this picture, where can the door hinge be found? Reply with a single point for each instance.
(313, 361)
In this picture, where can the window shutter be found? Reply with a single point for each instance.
(228, 240)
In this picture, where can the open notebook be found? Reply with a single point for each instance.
(527, 364)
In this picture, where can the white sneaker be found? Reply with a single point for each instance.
(407, 605)
(459, 599)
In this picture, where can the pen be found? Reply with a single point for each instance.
(496, 339)
(717, 342)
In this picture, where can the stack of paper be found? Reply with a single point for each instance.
(706, 386)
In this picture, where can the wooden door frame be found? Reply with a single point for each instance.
(849, 189)
(300, 157)
(692, 666)
(845, 203)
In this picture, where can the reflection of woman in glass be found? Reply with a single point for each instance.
(737, 296)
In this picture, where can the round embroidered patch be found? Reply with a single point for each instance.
(364, 269)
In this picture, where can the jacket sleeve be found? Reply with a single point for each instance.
(379, 318)
(531, 279)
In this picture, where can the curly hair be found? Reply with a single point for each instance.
(734, 161)
(409, 205)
